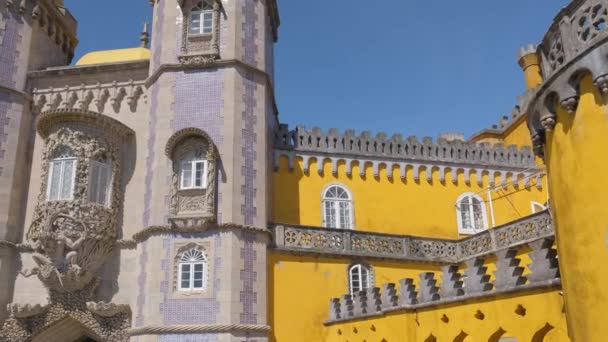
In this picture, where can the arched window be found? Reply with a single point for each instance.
(471, 211)
(360, 278)
(537, 207)
(100, 175)
(201, 18)
(62, 170)
(337, 208)
(192, 270)
(193, 171)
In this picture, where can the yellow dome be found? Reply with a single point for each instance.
(114, 56)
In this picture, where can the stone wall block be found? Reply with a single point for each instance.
(544, 264)
(451, 283)
(361, 303)
(374, 299)
(409, 296)
(347, 306)
(508, 272)
(334, 309)
(477, 280)
(389, 298)
(428, 291)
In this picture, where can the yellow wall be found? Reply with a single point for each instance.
(543, 321)
(393, 205)
(576, 155)
(300, 288)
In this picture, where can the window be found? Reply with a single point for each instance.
(537, 207)
(99, 182)
(193, 173)
(471, 212)
(359, 278)
(337, 208)
(62, 170)
(192, 271)
(201, 18)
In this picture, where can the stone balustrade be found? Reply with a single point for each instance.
(328, 241)
(474, 282)
(398, 148)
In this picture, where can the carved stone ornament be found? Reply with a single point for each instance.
(200, 49)
(192, 206)
(71, 239)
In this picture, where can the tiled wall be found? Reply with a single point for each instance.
(249, 278)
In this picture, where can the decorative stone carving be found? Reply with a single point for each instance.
(508, 272)
(71, 239)
(347, 306)
(199, 50)
(334, 309)
(389, 297)
(476, 278)
(408, 292)
(428, 291)
(544, 261)
(192, 203)
(451, 283)
(107, 322)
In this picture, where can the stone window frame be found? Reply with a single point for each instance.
(108, 165)
(59, 156)
(350, 200)
(188, 55)
(205, 247)
(370, 275)
(204, 176)
(179, 145)
(203, 262)
(484, 214)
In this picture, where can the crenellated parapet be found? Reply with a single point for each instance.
(574, 46)
(341, 242)
(477, 284)
(403, 153)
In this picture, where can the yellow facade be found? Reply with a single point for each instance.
(576, 153)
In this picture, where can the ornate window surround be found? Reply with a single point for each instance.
(197, 49)
(192, 202)
(63, 156)
(180, 248)
(475, 230)
(368, 277)
(350, 201)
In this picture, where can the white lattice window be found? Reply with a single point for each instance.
(337, 208)
(100, 175)
(193, 172)
(537, 207)
(62, 171)
(471, 212)
(360, 278)
(192, 271)
(201, 18)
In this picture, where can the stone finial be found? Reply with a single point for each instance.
(451, 283)
(428, 291)
(334, 309)
(389, 298)
(144, 38)
(508, 272)
(544, 264)
(408, 292)
(346, 307)
(477, 280)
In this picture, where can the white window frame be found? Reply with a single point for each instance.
(336, 207)
(360, 278)
(192, 263)
(63, 161)
(94, 198)
(537, 207)
(193, 163)
(201, 13)
(470, 196)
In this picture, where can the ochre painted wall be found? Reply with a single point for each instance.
(539, 319)
(576, 155)
(300, 288)
(394, 205)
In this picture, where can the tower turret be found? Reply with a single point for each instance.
(529, 62)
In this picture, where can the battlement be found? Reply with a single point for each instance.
(459, 281)
(396, 147)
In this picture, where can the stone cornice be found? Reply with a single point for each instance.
(47, 120)
(198, 328)
(76, 70)
(350, 243)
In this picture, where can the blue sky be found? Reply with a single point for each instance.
(395, 66)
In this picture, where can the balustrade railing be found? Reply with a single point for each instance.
(330, 241)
